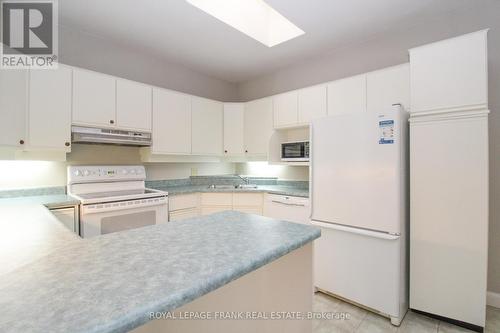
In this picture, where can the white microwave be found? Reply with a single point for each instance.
(297, 151)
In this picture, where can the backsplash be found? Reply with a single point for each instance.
(28, 192)
(226, 180)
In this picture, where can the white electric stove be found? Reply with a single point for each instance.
(114, 198)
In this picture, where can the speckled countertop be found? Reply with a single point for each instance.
(111, 283)
(273, 189)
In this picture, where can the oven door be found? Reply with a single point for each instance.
(100, 219)
(294, 151)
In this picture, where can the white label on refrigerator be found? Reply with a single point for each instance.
(386, 128)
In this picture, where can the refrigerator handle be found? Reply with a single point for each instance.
(311, 128)
(364, 232)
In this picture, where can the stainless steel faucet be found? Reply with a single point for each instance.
(246, 180)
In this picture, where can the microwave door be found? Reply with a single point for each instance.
(293, 152)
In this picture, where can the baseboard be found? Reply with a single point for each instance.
(493, 299)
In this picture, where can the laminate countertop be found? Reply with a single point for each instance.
(112, 282)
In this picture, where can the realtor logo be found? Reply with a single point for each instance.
(29, 34)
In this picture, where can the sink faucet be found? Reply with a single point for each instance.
(245, 179)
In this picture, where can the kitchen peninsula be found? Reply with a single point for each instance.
(227, 261)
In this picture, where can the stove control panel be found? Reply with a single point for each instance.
(94, 173)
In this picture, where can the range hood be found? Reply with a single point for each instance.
(80, 134)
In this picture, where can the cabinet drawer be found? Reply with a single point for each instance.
(183, 214)
(214, 209)
(183, 201)
(247, 199)
(216, 199)
(249, 210)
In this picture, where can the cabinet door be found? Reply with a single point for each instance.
(94, 97)
(49, 115)
(133, 105)
(233, 129)
(258, 124)
(68, 217)
(171, 122)
(387, 87)
(285, 109)
(347, 95)
(206, 128)
(13, 103)
(450, 74)
(312, 103)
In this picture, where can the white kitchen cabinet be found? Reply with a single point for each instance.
(450, 74)
(133, 105)
(13, 105)
(207, 121)
(68, 216)
(183, 214)
(233, 129)
(216, 199)
(258, 124)
(285, 109)
(49, 112)
(94, 98)
(388, 86)
(347, 95)
(312, 103)
(171, 122)
(287, 208)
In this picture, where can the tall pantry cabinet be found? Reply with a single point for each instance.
(449, 179)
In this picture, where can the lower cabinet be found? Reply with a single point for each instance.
(68, 216)
(243, 202)
(281, 207)
(183, 206)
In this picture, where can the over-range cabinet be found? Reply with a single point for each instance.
(449, 179)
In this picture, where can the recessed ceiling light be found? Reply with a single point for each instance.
(254, 18)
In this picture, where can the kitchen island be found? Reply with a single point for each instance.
(130, 280)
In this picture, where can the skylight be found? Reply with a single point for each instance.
(254, 18)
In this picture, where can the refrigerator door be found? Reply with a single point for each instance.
(357, 170)
(359, 266)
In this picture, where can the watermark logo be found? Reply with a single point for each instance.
(29, 34)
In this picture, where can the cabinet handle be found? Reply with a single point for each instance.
(67, 144)
(111, 121)
(246, 151)
(288, 203)
(225, 151)
(21, 142)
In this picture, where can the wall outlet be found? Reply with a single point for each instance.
(194, 171)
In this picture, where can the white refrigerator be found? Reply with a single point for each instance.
(359, 199)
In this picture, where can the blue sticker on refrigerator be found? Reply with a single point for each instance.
(386, 128)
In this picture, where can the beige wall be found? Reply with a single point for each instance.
(80, 49)
(263, 169)
(391, 49)
(26, 174)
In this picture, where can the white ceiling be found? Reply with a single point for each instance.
(180, 33)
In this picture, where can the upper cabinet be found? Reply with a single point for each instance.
(49, 112)
(171, 122)
(258, 124)
(347, 95)
(13, 104)
(388, 86)
(233, 129)
(451, 74)
(94, 98)
(285, 109)
(133, 105)
(206, 130)
(312, 103)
